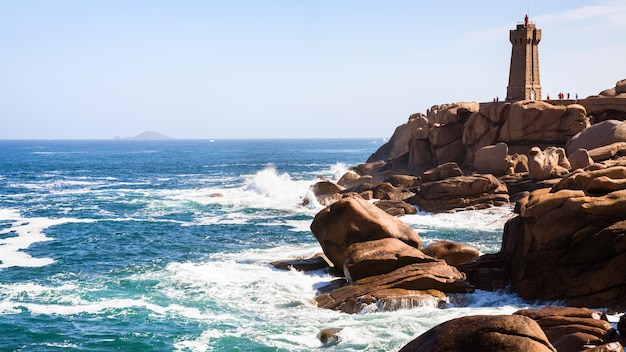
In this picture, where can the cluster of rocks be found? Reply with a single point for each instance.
(548, 329)
(382, 260)
(443, 188)
(447, 159)
(455, 133)
(567, 241)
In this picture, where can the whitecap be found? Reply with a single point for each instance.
(490, 219)
(27, 231)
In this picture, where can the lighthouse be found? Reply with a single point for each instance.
(524, 81)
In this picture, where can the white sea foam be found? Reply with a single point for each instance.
(100, 307)
(338, 170)
(299, 225)
(240, 296)
(490, 219)
(267, 189)
(276, 308)
(27, 231)
(279, 190)
(199, 344)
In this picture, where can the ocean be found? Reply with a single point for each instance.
(165, 246)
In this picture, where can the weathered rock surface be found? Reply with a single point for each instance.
(451, 113)
(483, 333)
(572, 329)
(378, 257)
(549, 163)
(403, 181)
(580, 159)
(454, 253)
(598, 135)
(456, 132)
(489, 272)
(537, 121)
(442, 172)
(326, 192)
(349, 177)
(608, 151)
(396, 207)
(353, 219)
(386, 191)
(461, 192)
(420, 157)
(596, 181)
(620, 87)
(399, 141)
(569, 243)
(426, 277)
(494, 159)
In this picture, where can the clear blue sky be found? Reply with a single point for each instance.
(280, 69)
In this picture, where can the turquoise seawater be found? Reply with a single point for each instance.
(165, 246)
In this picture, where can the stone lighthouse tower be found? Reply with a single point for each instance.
(524, 71)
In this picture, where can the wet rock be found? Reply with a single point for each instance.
(489, 272)
(329, 337)
(437, 276)
(316, 262)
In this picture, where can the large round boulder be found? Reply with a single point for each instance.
(353, 219)
(598, 135)
(485, 333)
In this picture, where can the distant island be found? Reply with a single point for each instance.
(147, 136)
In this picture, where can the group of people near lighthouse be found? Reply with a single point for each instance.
(562, 96)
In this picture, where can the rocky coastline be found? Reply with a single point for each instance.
(564, 170)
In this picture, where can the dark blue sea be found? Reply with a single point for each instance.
(165, 246)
